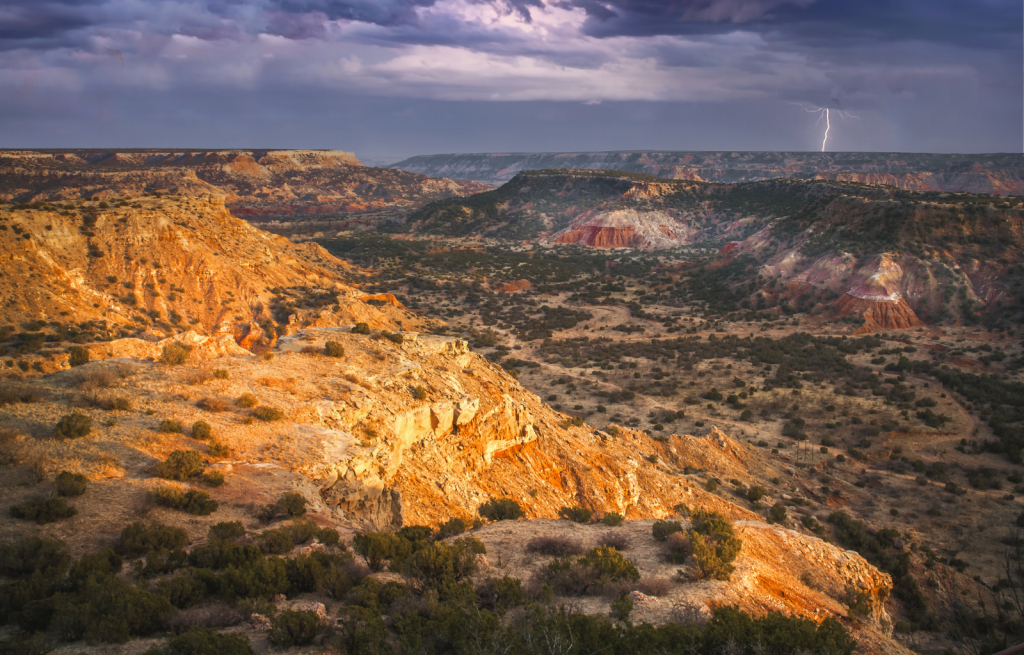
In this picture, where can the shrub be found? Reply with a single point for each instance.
(361, 328)
(212, 404)
(120, 404)
(334, 349)
(715, 545)
(78, 356)
(501, 509)
(170, 426)
(593, 571)
(30, 555)
(503, 593)
(247, 400)
(199, 641)
(276, 541)
(138, 539)
(217, 449)
(71, 484)
(678, 547)
(267, 413)
(777, 514)
(181, 465)
(43, 511)
(711, 485)
(662, 529)
(380, 547)
(453, 526)
(72, 426)
(755, 494)
(201, 430)
(576, 514)
(221, 374)
(174, 354)
(191, 502)
(291, 628)
(555, 546)
(226, 530)
(621, 607)
(612, 519)
(438, 563)
(419, 393)
(292, 503)
(212, 478)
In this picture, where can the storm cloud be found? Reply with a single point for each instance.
(931, 75)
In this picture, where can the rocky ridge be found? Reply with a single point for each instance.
(999, 174)
(257, 184)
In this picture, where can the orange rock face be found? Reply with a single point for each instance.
(512, 287)
(600, 237)
(879, 314)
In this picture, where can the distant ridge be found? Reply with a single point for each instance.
(999, 173)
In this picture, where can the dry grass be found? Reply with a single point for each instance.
(97, 378)
(20, 392)
(12, 447)
(209, 616)
(616, 540)
(197, 377)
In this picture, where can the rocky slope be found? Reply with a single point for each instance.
(416, 432)
(258, 184)
(153, 267)
(999, 174)
(896, 258)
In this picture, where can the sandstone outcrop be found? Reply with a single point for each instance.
(162, 265)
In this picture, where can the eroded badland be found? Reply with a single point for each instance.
(793, 396)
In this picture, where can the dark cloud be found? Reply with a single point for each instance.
(377, 12)
(985, 24)
(31, 20)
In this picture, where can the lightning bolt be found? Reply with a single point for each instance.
(828, 126)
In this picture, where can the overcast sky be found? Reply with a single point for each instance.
(404, 77)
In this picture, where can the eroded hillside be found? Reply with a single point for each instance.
(260, 185)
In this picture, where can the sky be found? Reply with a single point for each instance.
(394, 78)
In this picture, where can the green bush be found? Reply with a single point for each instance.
(621, 608)
(292, 504)
(78, 356)
(221, 374)
(267, 414)
(501, 509)
(71, 484)
(72, 426)
(170, 426)
(438, 564)
(276, 542)
(199, 641)
(201, 431)
(121, 404)
(212, 478)
(43, 511)
(419, 393)
(217, 449)
(34, 555)
(576, 514)
(715, 545)
(361, 328)
(612, 519)
(454, 525)
(334, 349)
(226, 530)
(662, 529)
(181, 465)
(501, 593)
(191, 502)
(174, 354)
(711, 485)
(777, 514)
(138, 539)
(591, 572)
(291, 628)
(259, 578)
(755, 494)
(380, 547)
